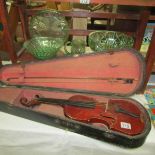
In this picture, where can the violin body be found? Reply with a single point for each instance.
(109, 115)
(34, 91)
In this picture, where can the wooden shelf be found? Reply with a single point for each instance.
(117, 2)
(153, 68)
(7, 33)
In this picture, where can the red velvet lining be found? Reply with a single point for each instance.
(106, 68)
(13, 96)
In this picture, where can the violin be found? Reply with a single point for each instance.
(117, 114)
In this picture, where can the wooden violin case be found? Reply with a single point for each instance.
(87, 94)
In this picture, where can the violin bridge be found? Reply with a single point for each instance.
(106, 107)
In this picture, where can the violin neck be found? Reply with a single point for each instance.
(62, 102)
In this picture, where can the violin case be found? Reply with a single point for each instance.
(104, 80)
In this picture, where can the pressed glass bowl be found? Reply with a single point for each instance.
(43, 47)
(103, 40)
(49, 23)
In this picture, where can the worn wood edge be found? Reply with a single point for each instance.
(117, 2)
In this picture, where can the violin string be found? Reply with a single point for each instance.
(78, 104)
(84, 104)
(90, 102)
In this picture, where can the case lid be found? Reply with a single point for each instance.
(119, 72)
